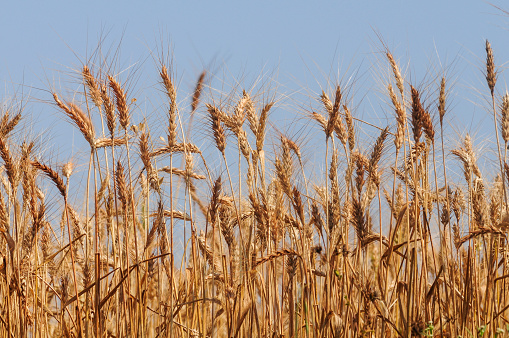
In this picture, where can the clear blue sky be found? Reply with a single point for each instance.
(303, 42)
(275, 33)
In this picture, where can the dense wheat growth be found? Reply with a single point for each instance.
(163, 234)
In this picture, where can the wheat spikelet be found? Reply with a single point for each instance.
(172, 113)
(121, 185)
(163, 236)
(81, 120)
(333, 171)
(361, 163)
(64, 289)
(168, 85)
(172, 128)
(445, 216)
(251, 116)
(104, 142)
(297, 204)
(197, 91)
(4, 120)
(53, 175)
(86, 273)
(397, 75)
(495, 201)
(316, 218)
(260, 214)
(294, 147)
(491, 74)
(479, 206)
(478, 232)
(321, 120)
(240, 111)
(244, 144)
(93, 88)
(359, 221)
(504, 113)
(506, 169)
(376, 154)
(121, 102)
(467, 143)
(349, 124)
(5, 183)
(327, 103)
(9, 163)
(105, 183)
(6, 125)
(330, 111)
(337, 100)
(465, 158)
(67, 169)
(427, 125)
(4, 216)
(189, 164)
(214, 200)
(286, 157)
(145, 158)
(260, 132)
(339, 129)
(153, 231)
(144, 152)
(333, 110)
(61, 105)
(173, 213)
(196, 199)
(400, 118)
(207, 253)
(226, 228)
(217, 129)
(45, 239)
(77, 228)
(441, 101)
(38, 215)
(458, 202)
(417, 114)
(291, 266)
(182, 173)
(274, 255)
(109, 109)
(176, 148)
(28, 183)
(283, 176)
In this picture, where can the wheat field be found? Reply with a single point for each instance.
(221, 228)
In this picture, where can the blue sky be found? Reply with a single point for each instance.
(245, 33)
